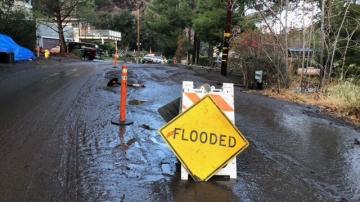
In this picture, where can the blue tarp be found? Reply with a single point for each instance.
(8, 45)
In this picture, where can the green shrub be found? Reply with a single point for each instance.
(204, 61)
(108, 48)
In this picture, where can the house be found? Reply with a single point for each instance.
(75, 30)
(47, 36)
(297, 56)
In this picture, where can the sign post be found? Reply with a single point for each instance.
(204, 139)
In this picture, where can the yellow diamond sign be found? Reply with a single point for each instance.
(203, 139)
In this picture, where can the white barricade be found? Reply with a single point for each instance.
(224, 99)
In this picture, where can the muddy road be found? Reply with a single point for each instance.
(58, 143)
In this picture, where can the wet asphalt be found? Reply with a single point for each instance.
(57, 142)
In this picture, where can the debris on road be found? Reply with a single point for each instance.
(170, 110)
(114, 82)
(356, 141)
(131, 141)
(137, 85)
(147, 127)
(114, 78)
(136, 102)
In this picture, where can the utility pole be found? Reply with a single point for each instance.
(227, 36)
(138, 33)
(193, 6)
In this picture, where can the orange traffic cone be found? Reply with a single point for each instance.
(116, 58)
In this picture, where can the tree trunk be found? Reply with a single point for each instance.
(194, 49)
(349, 37)
(302, 86)
(61, 34)
(336, 41)
(187, 46)
(210, 55)
(193, 7)
(288, 72)
(197, 49)
(322, 43)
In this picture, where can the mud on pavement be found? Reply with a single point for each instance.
(292, 157)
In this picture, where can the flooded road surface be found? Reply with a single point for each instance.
(58, 143)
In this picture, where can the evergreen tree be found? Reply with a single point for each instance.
(168, 19)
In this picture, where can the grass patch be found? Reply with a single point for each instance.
(347, 94)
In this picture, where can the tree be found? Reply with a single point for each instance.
(215, 17)
(61, 12)
(340, 35)
(209, 21)
(6, 7)
(168, 18)
(122, 21)
(102, 3)
(17, 24)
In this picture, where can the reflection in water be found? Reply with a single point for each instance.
(323, 148)
(353, 172)
(189, 190)
(123, 145)
(204, 191)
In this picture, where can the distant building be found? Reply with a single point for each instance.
(300, 52)
(48, 37)
(75, 30)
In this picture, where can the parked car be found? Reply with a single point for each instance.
(148, 59)
(160, 60)
(151, 58)
(87, 50)
(55, 50)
